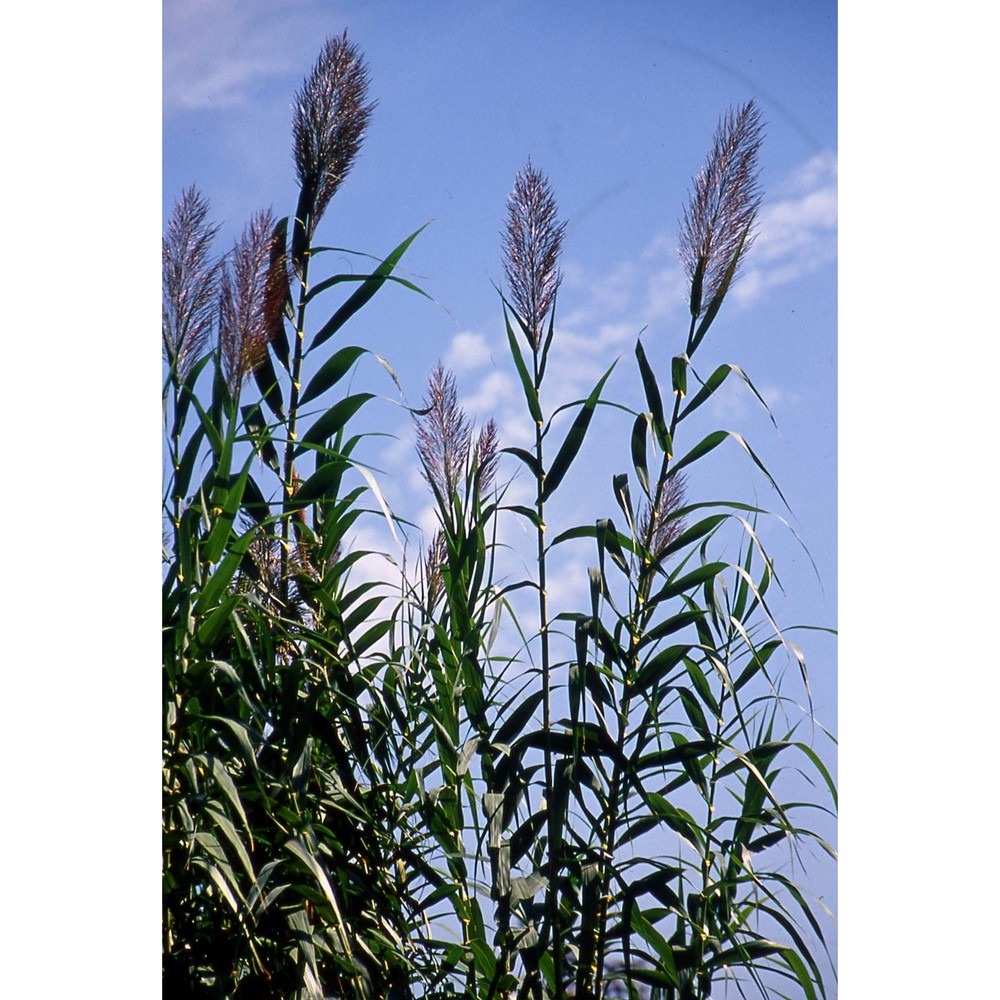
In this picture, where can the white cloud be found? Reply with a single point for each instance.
(568, 586)
(797, 234)
(428, 522)
(495, 389)
(210, 56)
(515, 431)
(217, 52)
(790, 226)
(468, 351)
(814, 173)
(383, 563)
(614, 290)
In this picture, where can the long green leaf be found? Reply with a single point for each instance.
(326, 478)
(298, 849)
(525, 456)
(530, 392)
(222, 528)
(574, 439)
(518, 718)
(223, 576)
(270, 388)
(260, 435)
(334, 420)
(691, 581)
(332, 371)
(377, 492)
(228, 786)
(655, 669)
(638, 448)
(228, 830)
(185, 467)
(712, 441)
(364, 294)
(653, 399)
(712, 384)
(591, 531)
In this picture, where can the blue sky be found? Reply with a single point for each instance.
(619, 112)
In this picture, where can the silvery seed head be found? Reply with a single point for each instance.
(329, 121)
(662, 525)
(247, 301)
(723, 205)
(485, 456)
(190, 282)
(443, 435)
(531, 246)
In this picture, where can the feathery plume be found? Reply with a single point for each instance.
(531, 248)
(329, 119)
(444, 445)
(662, 525)
(485, 457)
(723, 205)
(190, 282)
(248, 300)
(443, 435)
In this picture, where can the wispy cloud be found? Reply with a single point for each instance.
(217, 53)
(798, 232)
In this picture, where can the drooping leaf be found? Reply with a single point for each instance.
(468, 751)
(337, 279)
(678, 376)
(714, 381)
(527, 887)
(527, 458)
(224, 574)
(295, 847)
(590, 531)
(323, 480)
(690, 581)
(260, 435)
